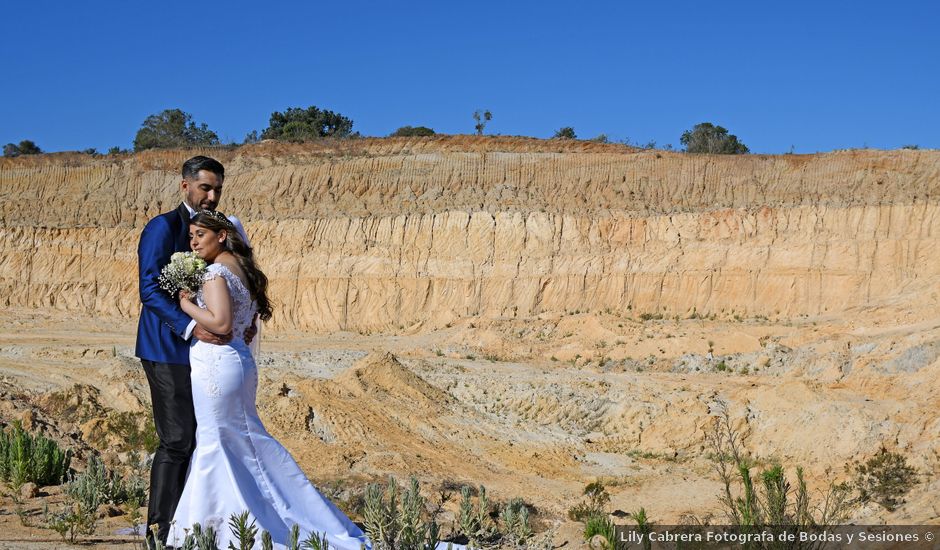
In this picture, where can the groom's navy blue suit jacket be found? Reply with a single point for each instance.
(162, 327)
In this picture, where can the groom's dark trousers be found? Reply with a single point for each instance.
(164, 352)
(172, 397)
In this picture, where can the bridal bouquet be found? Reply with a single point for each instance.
(184, 272)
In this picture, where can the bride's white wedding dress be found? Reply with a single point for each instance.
(237, 465)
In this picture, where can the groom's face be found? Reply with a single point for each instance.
(204, 192)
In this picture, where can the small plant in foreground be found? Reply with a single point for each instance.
(885, 478)
(643, 525)
(601, 525)
(242, 530)
(28, 458)
(594, 504)
(395, 520)
(475, 521)
(316, 542)
(770, 502)
(515, 519)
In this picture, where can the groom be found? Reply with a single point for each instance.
(163, 339)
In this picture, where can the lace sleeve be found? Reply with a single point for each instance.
(214, 270)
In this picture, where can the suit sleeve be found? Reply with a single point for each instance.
(153, 252)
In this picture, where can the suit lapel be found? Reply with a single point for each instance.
(182, 240)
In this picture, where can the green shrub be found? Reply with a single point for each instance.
(770, 502)
(596, 499)
(515, 519)
(643, 526)
(79, 514)
(25, 147)
(173, 128)
(136, 430)
(412, 131)
(885, 478)
(298, 124)
(708, 138)
(399, 521)
(243, 531)
(475, 521)
(650, 316)
(266, 542)
(28, 458)
(95, 486)
(603, 526)
(205, 539)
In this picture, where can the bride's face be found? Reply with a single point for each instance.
(206, 243)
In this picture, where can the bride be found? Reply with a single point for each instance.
(237, 465)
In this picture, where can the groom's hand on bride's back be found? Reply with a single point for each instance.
(208, 337)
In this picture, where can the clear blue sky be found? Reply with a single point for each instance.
(813, 75)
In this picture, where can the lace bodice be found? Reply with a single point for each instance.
(243, 307)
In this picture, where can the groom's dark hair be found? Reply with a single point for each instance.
(192, 167)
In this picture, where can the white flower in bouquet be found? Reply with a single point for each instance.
(185, 271)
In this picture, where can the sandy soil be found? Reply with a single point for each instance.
(533, 409)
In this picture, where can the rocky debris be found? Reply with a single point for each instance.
(28, 490)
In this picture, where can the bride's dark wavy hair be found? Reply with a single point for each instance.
(257, 280)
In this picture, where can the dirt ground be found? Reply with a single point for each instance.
(535, 409)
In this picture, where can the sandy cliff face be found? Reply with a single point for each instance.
(394, 233)
(543, 257)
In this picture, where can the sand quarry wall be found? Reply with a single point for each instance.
(381, 234)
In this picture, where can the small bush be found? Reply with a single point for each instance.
(243, 531)
(475, 521)
(708, 138)
(28, 458)
(596, 499)
(207, 539)
(412, 131)
(399, 521)
(93, 487)
(515, 520)
(25, 147)
(298, 124)
(136, 430)
(885, 478)
(173, 128)
(83, 495)
(768, 502)
(603, 526)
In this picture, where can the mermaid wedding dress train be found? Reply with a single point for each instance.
(237, 465)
